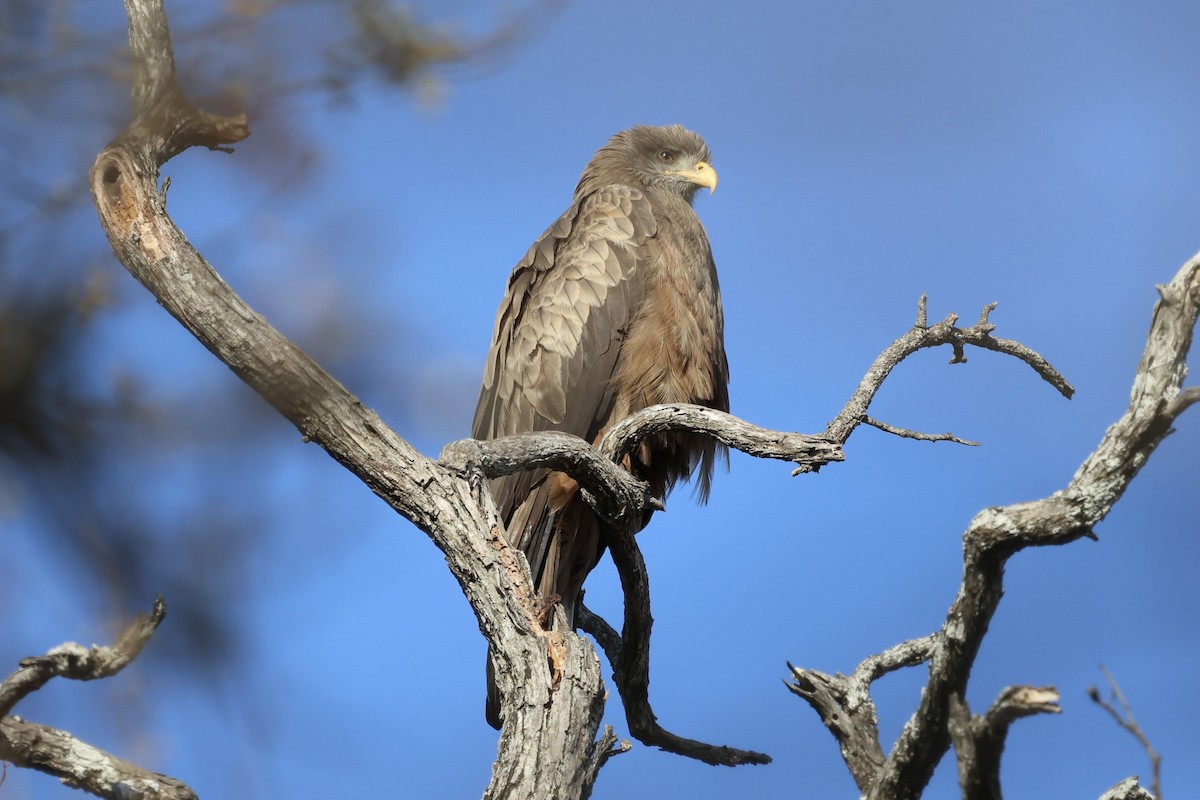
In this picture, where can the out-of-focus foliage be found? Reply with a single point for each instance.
(79, 429)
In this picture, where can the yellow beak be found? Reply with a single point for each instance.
(702, 175)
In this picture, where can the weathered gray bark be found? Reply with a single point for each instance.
(552, 691)
(58, 753)
(993, 536)
(547, 743)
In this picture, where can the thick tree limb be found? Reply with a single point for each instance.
(995, 534)
(550, 723)
(548, 745)
(857, 735)
(81, 766)
(76, 763)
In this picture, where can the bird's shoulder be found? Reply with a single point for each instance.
(619, 214)
(573, 293)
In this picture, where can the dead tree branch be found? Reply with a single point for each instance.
(979, 740)
(847, 709)
(995, 534)
(614, 493)
(1124, 717)
(76, 763)
(550, 724)
(548, 746)
(629, 652)
(854, 413)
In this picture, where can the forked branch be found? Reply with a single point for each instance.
(845, 706)
(58, 753)
(995, 534)
(447, 500)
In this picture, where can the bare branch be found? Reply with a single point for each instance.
(923, 437)
(1124, 717)
(163, 119)
(58, 753)
(1158, 397)
(604, 748)
(849, 715)
(979, 740)
(809, 452)
(81, 663)
(613, 492)
(920, 337)
(997, 533)
(1187, 398)
(905, 654)
(81, 766)
(598, 628)
(845, 706)
(631, 661)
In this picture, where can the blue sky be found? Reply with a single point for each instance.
(1039, 155)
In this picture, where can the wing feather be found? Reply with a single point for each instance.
(569, 303)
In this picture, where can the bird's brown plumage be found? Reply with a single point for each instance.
(614, 308)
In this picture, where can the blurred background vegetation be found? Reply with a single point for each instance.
(81, 427)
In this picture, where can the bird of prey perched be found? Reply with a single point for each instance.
(614, 308)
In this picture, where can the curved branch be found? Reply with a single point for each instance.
(851, 718)
(613, 492)
(995, 534)
(58, 753)
(809, 452)
(550, 723)
(846, 708)
(629, 655)
(921, 337)
(81, 663)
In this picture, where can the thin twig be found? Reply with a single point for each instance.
(1124, 717)
(922, 437)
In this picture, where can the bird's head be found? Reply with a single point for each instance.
(670, 157)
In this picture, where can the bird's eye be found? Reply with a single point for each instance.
(666, 156)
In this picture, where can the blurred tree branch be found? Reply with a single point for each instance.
(546, 747)
(58, 753)
(75, 422)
